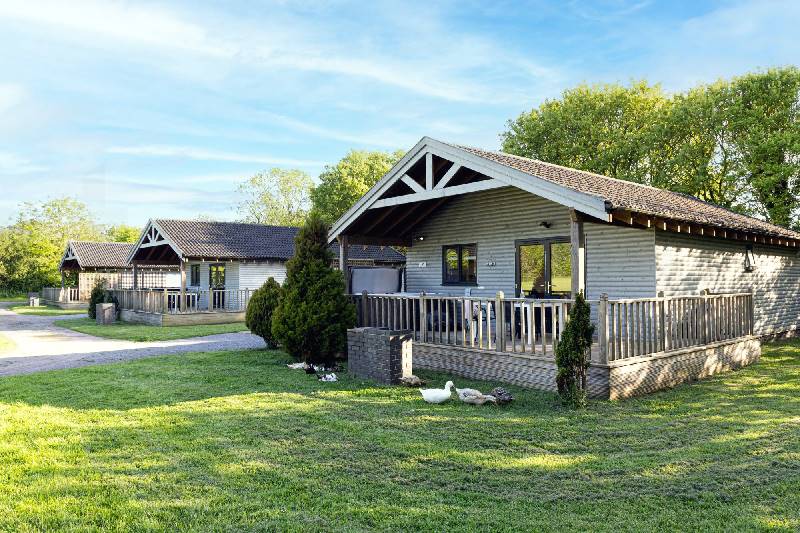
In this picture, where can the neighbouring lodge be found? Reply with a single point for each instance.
(498, 245)
(188, 271)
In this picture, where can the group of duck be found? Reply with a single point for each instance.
(471, 396)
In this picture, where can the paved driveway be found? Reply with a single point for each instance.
(40, 345)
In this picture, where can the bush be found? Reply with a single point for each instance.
(573, 354)
(314, 312)
(260, 309)
(109, 298)
(97, 296)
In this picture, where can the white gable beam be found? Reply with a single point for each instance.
(152, 228)
(416, 187)
(589, 204)
(69, 254)
(484, 185)
(586, 203)
(448, 176)
(429, 171)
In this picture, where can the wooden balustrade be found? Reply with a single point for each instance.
(645, 326)
(168, 301)
(64, 294)
(623, 328)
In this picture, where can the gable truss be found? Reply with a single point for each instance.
(154, 236)
(452, 183)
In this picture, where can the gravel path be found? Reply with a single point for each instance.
(41, 345)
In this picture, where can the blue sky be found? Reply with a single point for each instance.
(159, 109)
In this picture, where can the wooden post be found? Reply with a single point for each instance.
(751, 311)
(576, 239)
(499, 319)
(135, 276)
(602, 324)
(62, 279)
(343, 252)
(423, 317)
(364, 309)
(183, 286)
(165, 302)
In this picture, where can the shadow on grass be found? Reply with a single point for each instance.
(237, 440)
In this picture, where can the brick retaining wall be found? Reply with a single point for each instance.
(379, 354)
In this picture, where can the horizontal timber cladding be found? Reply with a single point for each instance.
(189, 319)
(196, 319)
(140, 317)
(617, 380)
(632, 378)
(531, 371)
(492, 220)
(689, 264)
(620, 262)
(253, 275)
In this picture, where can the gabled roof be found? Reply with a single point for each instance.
(90, 254)
(621, 194)
(433, 170)
(244, 241)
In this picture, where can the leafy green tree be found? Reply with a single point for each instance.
(599, 128)
(341, 185)
(573, 354)
(260, 309)
(735, 143)
(314, 313)
(277, 196)
(31, 247)
(765, 122)
(122, 233)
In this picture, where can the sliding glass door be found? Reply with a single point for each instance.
(544, 268)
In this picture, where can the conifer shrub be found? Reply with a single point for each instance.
(314, 313)
(97, 296)
(260, 310)
(573, 354)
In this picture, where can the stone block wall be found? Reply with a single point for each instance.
(380, 354)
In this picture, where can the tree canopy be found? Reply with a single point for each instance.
(122, 233)
(31, 247)
(277, 196)
(735, 142)
(341, 185)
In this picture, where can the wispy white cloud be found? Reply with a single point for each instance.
(11, 95)
(120, 21)
(12, 164)
(189, 152)
(292, 44)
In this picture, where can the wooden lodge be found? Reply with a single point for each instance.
(498, 246)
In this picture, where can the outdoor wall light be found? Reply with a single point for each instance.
(545, 223)
(421, 237)
(749, 259)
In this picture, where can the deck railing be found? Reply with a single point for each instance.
(168, 301)
(623, 328)
(63, 294)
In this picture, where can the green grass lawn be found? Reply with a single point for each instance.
(142, 333)
(45, 310)
(236, 441)
(6, 344)
(13, 296)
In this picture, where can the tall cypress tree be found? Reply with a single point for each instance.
(573, 354)
(313, 314)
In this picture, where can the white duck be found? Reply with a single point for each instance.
(475, 397)
(437, 395)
